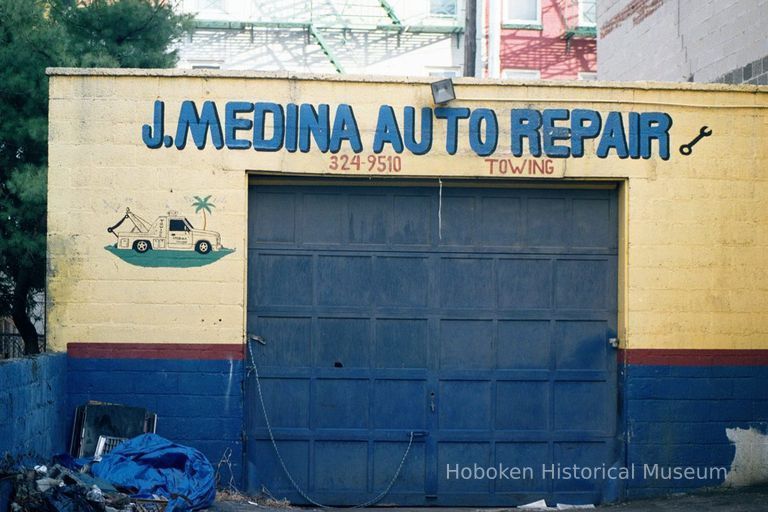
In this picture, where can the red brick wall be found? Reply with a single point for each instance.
(546, 49)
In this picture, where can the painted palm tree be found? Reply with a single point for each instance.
(202, 204)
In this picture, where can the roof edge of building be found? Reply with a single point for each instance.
(285, 75)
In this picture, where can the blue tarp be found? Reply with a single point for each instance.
(154, 465)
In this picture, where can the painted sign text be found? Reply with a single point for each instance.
(549, 133)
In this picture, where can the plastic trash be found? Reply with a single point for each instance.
(95, 495)
(46, 483)
(69, 499)
(536, 505)
(153, 465)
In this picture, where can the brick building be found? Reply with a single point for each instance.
(515, 39)
(547, 39)
(405, 37)
(683, 41)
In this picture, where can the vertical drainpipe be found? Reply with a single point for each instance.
(480, 50)
(494, 38)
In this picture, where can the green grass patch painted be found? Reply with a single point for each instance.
(168, 258)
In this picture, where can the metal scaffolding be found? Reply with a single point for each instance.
(320, 18)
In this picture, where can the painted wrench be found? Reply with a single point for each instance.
(687, 149)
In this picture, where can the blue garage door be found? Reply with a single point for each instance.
(478, 318)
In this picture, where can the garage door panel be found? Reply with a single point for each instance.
(522, 405)
(342, 343)
(400, 404)
(289, 340)
(546, 223)
(583, 406)
(329, 475)
(282, 279)
(581, 345)
(582, 284)
(501, 222)
(296, 455)
(593, 223)
(523, 344)
(369, 218)
(452, 455)
(340, 403)
(523, 455)
(340, 279)
(466, 344)
(457, 218)
(464, 405)
(401, 281)
(464, 283)
(412, 221)
(283, 413)
(524, 283)
(272, 217)
(401, 343)
(386, 460)
(583, 455)
(322, 219)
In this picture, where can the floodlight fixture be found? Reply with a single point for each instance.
(442, 91)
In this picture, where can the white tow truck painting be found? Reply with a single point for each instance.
(170, 241)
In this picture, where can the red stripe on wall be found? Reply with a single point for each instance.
(189, 351)
(693, 357)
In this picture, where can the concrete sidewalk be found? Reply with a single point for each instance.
(752, 499)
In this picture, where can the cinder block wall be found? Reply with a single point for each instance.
(680, 41)
(678, 416)
(33, 400)
(198, 402)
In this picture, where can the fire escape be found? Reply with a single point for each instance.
(580, 20)
(320, 18)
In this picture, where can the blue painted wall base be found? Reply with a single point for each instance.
(677, 416)
(198, 402)
(674, 416)
(33, 401)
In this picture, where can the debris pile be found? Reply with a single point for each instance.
(145, 474)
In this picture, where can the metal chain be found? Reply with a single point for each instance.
(298, 489)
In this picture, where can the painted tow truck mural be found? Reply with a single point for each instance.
(170, 241)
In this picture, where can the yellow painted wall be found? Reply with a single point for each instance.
(694, 228)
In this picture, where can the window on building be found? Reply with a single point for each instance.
(442, 7)
(521, 74)
(444, 72)
(587, 13)
(203, 64)
(522, 12)
(587, 75)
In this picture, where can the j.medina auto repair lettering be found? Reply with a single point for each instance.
(554, 133)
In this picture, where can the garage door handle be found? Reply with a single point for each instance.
(419, 434)
(614, 342)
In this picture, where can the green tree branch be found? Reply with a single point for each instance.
(35, 34)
